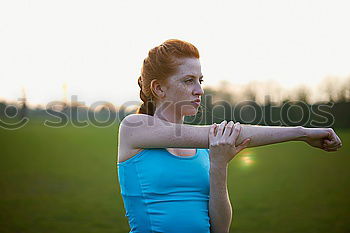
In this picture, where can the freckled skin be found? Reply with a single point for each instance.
(182, 88)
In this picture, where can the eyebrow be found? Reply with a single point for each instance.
(193, 76)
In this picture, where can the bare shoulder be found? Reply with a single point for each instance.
(127, 128)
(134, 120)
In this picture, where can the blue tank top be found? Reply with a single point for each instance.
(163, 192)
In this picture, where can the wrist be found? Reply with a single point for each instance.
(301, 133)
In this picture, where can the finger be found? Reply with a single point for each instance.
(221, 128)
(211, 131)
(336, 147)
(243, 145)
(235, 133)
(228, 129)
(326, 142)
(339, 141)
(215, 129)
(334, 142)
(332, 137)
(330, 133)
(327, 148)
(330, 144)
(330, 150)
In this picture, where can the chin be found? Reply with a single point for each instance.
(191, 111)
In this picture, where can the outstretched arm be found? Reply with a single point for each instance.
(144, 131)
(323, 138)
(265, 135)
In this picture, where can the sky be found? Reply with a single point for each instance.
(95, 48)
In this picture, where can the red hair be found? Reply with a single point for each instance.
(160, 64)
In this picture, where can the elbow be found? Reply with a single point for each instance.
(219, 230)
(220, 227)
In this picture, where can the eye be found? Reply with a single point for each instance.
(191, 81)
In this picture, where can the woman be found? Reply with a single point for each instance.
(166, 185)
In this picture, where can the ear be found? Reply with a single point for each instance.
(157, 89)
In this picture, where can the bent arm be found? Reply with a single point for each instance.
(220, 209)
(144, 131)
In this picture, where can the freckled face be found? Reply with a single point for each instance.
(184, 87)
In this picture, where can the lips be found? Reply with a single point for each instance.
(196, 102)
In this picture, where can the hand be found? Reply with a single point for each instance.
(323, 138)
(222, 142)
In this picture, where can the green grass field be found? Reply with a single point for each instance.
(64, 181)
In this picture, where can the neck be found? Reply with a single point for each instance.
(168, 113)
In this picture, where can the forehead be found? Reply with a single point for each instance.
(188, 66)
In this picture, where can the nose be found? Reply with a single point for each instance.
(198, 91)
